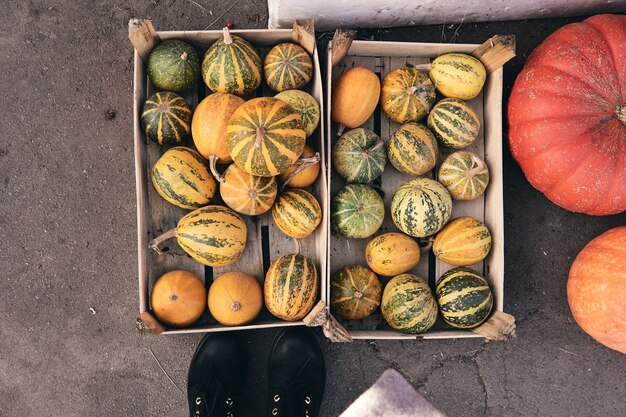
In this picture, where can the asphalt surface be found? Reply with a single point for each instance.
(69, 298)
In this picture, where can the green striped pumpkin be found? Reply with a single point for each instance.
(408, 304)
(173, 66)
(464, 241)
(464, 298)
(306, 105)
(357, 211)
(454, 123)
(413, 149)
(287, 66)
(465, 175)
(359, 156)
(291, 287)
(166, 118)
(181, 176)
(297, 213)
(421, 207)
(407, 95)
(265, 136)
(458, 75)
(213, 235)
(355, 292)
(231, 65)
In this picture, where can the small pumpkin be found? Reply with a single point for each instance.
(235, 299)
(355, 97)
(208, 126)
(305, 105)
(464, 298)
(408, 304)
(291, 287)
(232, 65)
(355, 292)
(392, 254)
(407, 95)
(166, 118)
(464, 241)
(357, 211)
(287, 66)
(421, 207)
(178, 298)
(413, 149)
(297, 213)
(265, 136)
(464, 175)
(247, 194)
(181, 176)
(307, 176)
(454, 122)
(458, 75)
(173, 65)
(359, 156)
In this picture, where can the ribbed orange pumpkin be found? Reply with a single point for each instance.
(235, 299)
(247, 194)
(178, 298)
(355, 96)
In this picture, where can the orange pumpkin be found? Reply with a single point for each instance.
(596, 289)
(355, 96)
(178, 298)
(235, 299)
(307, 176)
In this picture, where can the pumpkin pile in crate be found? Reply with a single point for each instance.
(249, 157)
(421, 207)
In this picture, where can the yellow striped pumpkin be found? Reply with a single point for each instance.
(291, 287)
(232, 65)
(407, 95)
(464, 241)
(181, 176)
(166, 118)
(465, 175)
(208, 126)
(287, 66)
(213, 235)
(464, 298)
(265, 136)
(355, 292)
(408, 304)
(458, 75)
(413, 149)
(247, 194)
(392, 253)
(454, 123)
(297, 213)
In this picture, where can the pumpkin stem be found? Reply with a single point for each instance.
(426, 243)
(301, 164)
(358, 295)
(480, 165)
(621, 114)
(260, 134)
(184, 56)
(235, 306)
(411, 90)
(154, 243)
(227, 38)
(213, 166)
(297, 245)
(340, 129)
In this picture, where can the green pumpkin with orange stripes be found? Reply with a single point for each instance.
(232, 65)
(408, 304)
(173, 65)
(407, 95)
(265, 136)
(287, 66)
(297, 213)
(355, 292)
(166, 118)
(413, 149)
(464, 298)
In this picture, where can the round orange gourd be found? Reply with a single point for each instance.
(392, 254)
(246, 193)
(307, 176)
(235, 299)
(178, 298)
(355, 96)
(596, 289)
(209, 122)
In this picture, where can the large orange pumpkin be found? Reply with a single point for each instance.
(567, 116)
(235, 299)
(596, 289)
(178, 298)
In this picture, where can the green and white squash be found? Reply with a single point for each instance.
(454, 122)
(359, 156)
(357, 211)
(413, 149)
(166, 118)
(464, 298)
(465, 175)
(287, 66)
(173, 65)
(408, 304)
(305, 105)
(421, 207)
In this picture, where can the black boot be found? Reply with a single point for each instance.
(216, 376)
(296, 374)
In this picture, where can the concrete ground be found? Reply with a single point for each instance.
(68, 251)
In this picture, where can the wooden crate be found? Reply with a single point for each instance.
(155, 215)
(383, 57)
